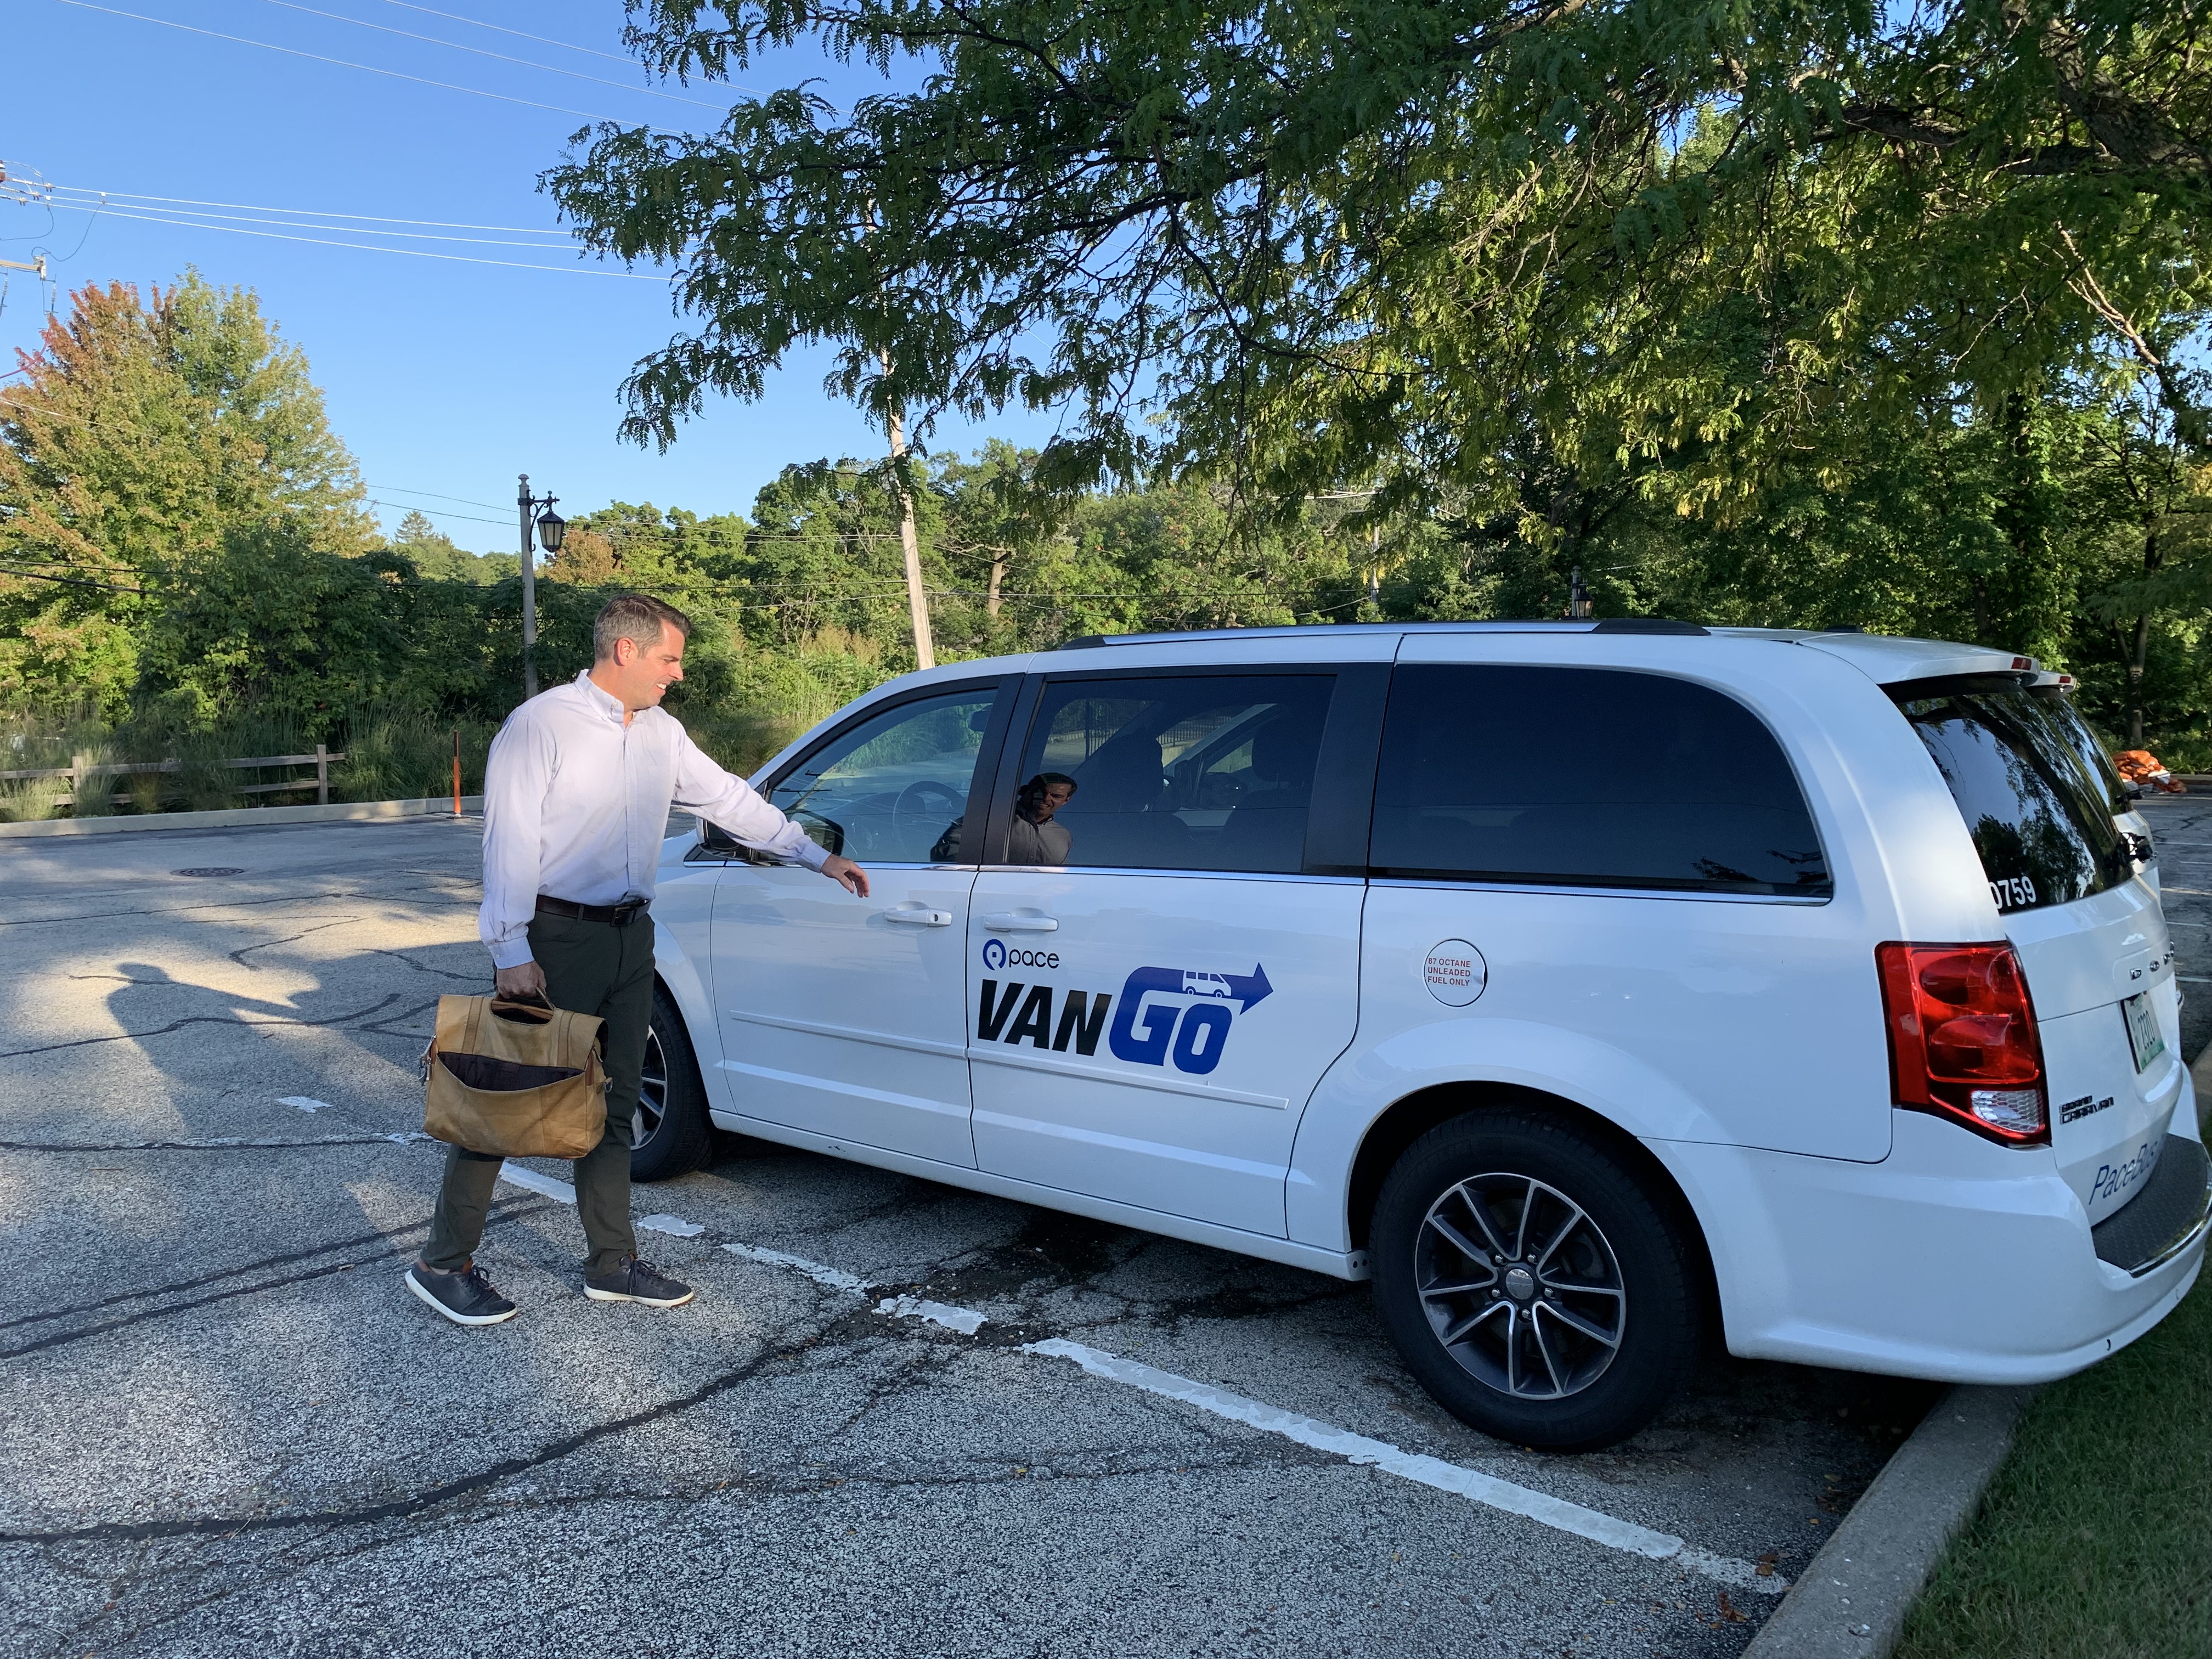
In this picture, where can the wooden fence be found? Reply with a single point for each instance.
(82, 769)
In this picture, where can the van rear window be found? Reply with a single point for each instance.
(2060, 708)
(2040, 818)
(1587, 777)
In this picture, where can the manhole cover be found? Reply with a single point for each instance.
(211, 870)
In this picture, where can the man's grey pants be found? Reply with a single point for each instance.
(592, 968)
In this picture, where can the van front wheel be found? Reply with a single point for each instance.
(1531, 1283)
(671, 1133)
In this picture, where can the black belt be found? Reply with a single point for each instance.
(617, 916)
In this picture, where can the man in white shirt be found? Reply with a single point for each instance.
(577, 792)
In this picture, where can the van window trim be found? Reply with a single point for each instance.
(1523, 881)
(708, 848)
(1553, 889)
(992, 855)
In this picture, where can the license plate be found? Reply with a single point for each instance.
(2143, 1030)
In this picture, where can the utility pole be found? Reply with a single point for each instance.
(37, 267)
(917, 602)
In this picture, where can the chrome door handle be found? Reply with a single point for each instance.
(1007, 921)
(920, 918)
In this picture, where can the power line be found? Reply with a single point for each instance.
(370, 247)
(455, 45)
(316, 56)
(397, 491)
(543, 40)
(437, 513)
(182, 216)
(318, 213)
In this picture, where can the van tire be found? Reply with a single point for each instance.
(1526, 1366)
(683, 1138)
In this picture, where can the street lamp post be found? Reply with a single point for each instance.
(549, 527)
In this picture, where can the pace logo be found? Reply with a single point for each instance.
(994, 954)
(1163, 1015)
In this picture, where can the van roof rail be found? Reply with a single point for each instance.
(1647, 625)
(1531, 625)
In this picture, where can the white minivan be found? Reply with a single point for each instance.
(1591, 986)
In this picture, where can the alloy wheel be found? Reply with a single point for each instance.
(1520, 1286)
(652, 1092)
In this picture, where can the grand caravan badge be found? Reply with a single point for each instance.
(1148, 1029)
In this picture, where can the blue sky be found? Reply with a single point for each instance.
(446, 379)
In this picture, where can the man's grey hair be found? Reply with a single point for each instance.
(636, 617)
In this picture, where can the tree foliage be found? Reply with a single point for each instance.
(144, 434)
(1818, 313)
(1352, 240)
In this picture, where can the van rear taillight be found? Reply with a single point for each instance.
(1962, 1038)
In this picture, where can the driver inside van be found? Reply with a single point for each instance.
(1034, 838)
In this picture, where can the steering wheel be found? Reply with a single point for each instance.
(927, 800)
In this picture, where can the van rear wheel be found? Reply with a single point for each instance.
(1531, 1283)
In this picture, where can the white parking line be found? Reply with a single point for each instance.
(1486, 1489)
(835, 1277)
(966, 1320)
(531, 1181)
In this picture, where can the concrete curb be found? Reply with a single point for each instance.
(1852, 1600)
(248, 817)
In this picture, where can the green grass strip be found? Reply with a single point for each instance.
(2095, 1540)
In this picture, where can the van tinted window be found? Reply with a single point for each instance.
(1585, 777)
(2041, 822)
(1148, 772)
(2059, 708)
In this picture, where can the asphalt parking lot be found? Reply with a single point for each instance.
(228, 1429)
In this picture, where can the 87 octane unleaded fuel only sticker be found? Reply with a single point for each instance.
(1454, 973)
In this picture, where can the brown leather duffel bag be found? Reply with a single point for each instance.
(515, 1079)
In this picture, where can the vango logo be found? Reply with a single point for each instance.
(1148, 1028)
(1192, 1033)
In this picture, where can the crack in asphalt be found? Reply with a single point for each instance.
(243, 951)
(63, 1338)
(401, 897)
(196, 1019)
(383, 1027)
(505, 1209)
(424, 968)
(444, 1491)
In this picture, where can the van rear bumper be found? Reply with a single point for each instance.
(1952, 1259)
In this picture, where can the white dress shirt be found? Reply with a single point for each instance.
(576, 806)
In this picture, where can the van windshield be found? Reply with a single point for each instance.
(2040, 818)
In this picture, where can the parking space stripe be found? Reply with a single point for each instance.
(966, 1320)
(1472, 1484)
(531, 1181)
(835, 1279)
(1485, 1489)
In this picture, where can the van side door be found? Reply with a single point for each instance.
(1164, 946)
(842, 1016)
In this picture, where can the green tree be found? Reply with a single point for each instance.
(1362, 240)
(435, 554)
(141, 433)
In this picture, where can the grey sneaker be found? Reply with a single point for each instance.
(637, 1281)
(465, 1297)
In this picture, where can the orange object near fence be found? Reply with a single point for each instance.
(2141, 766)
